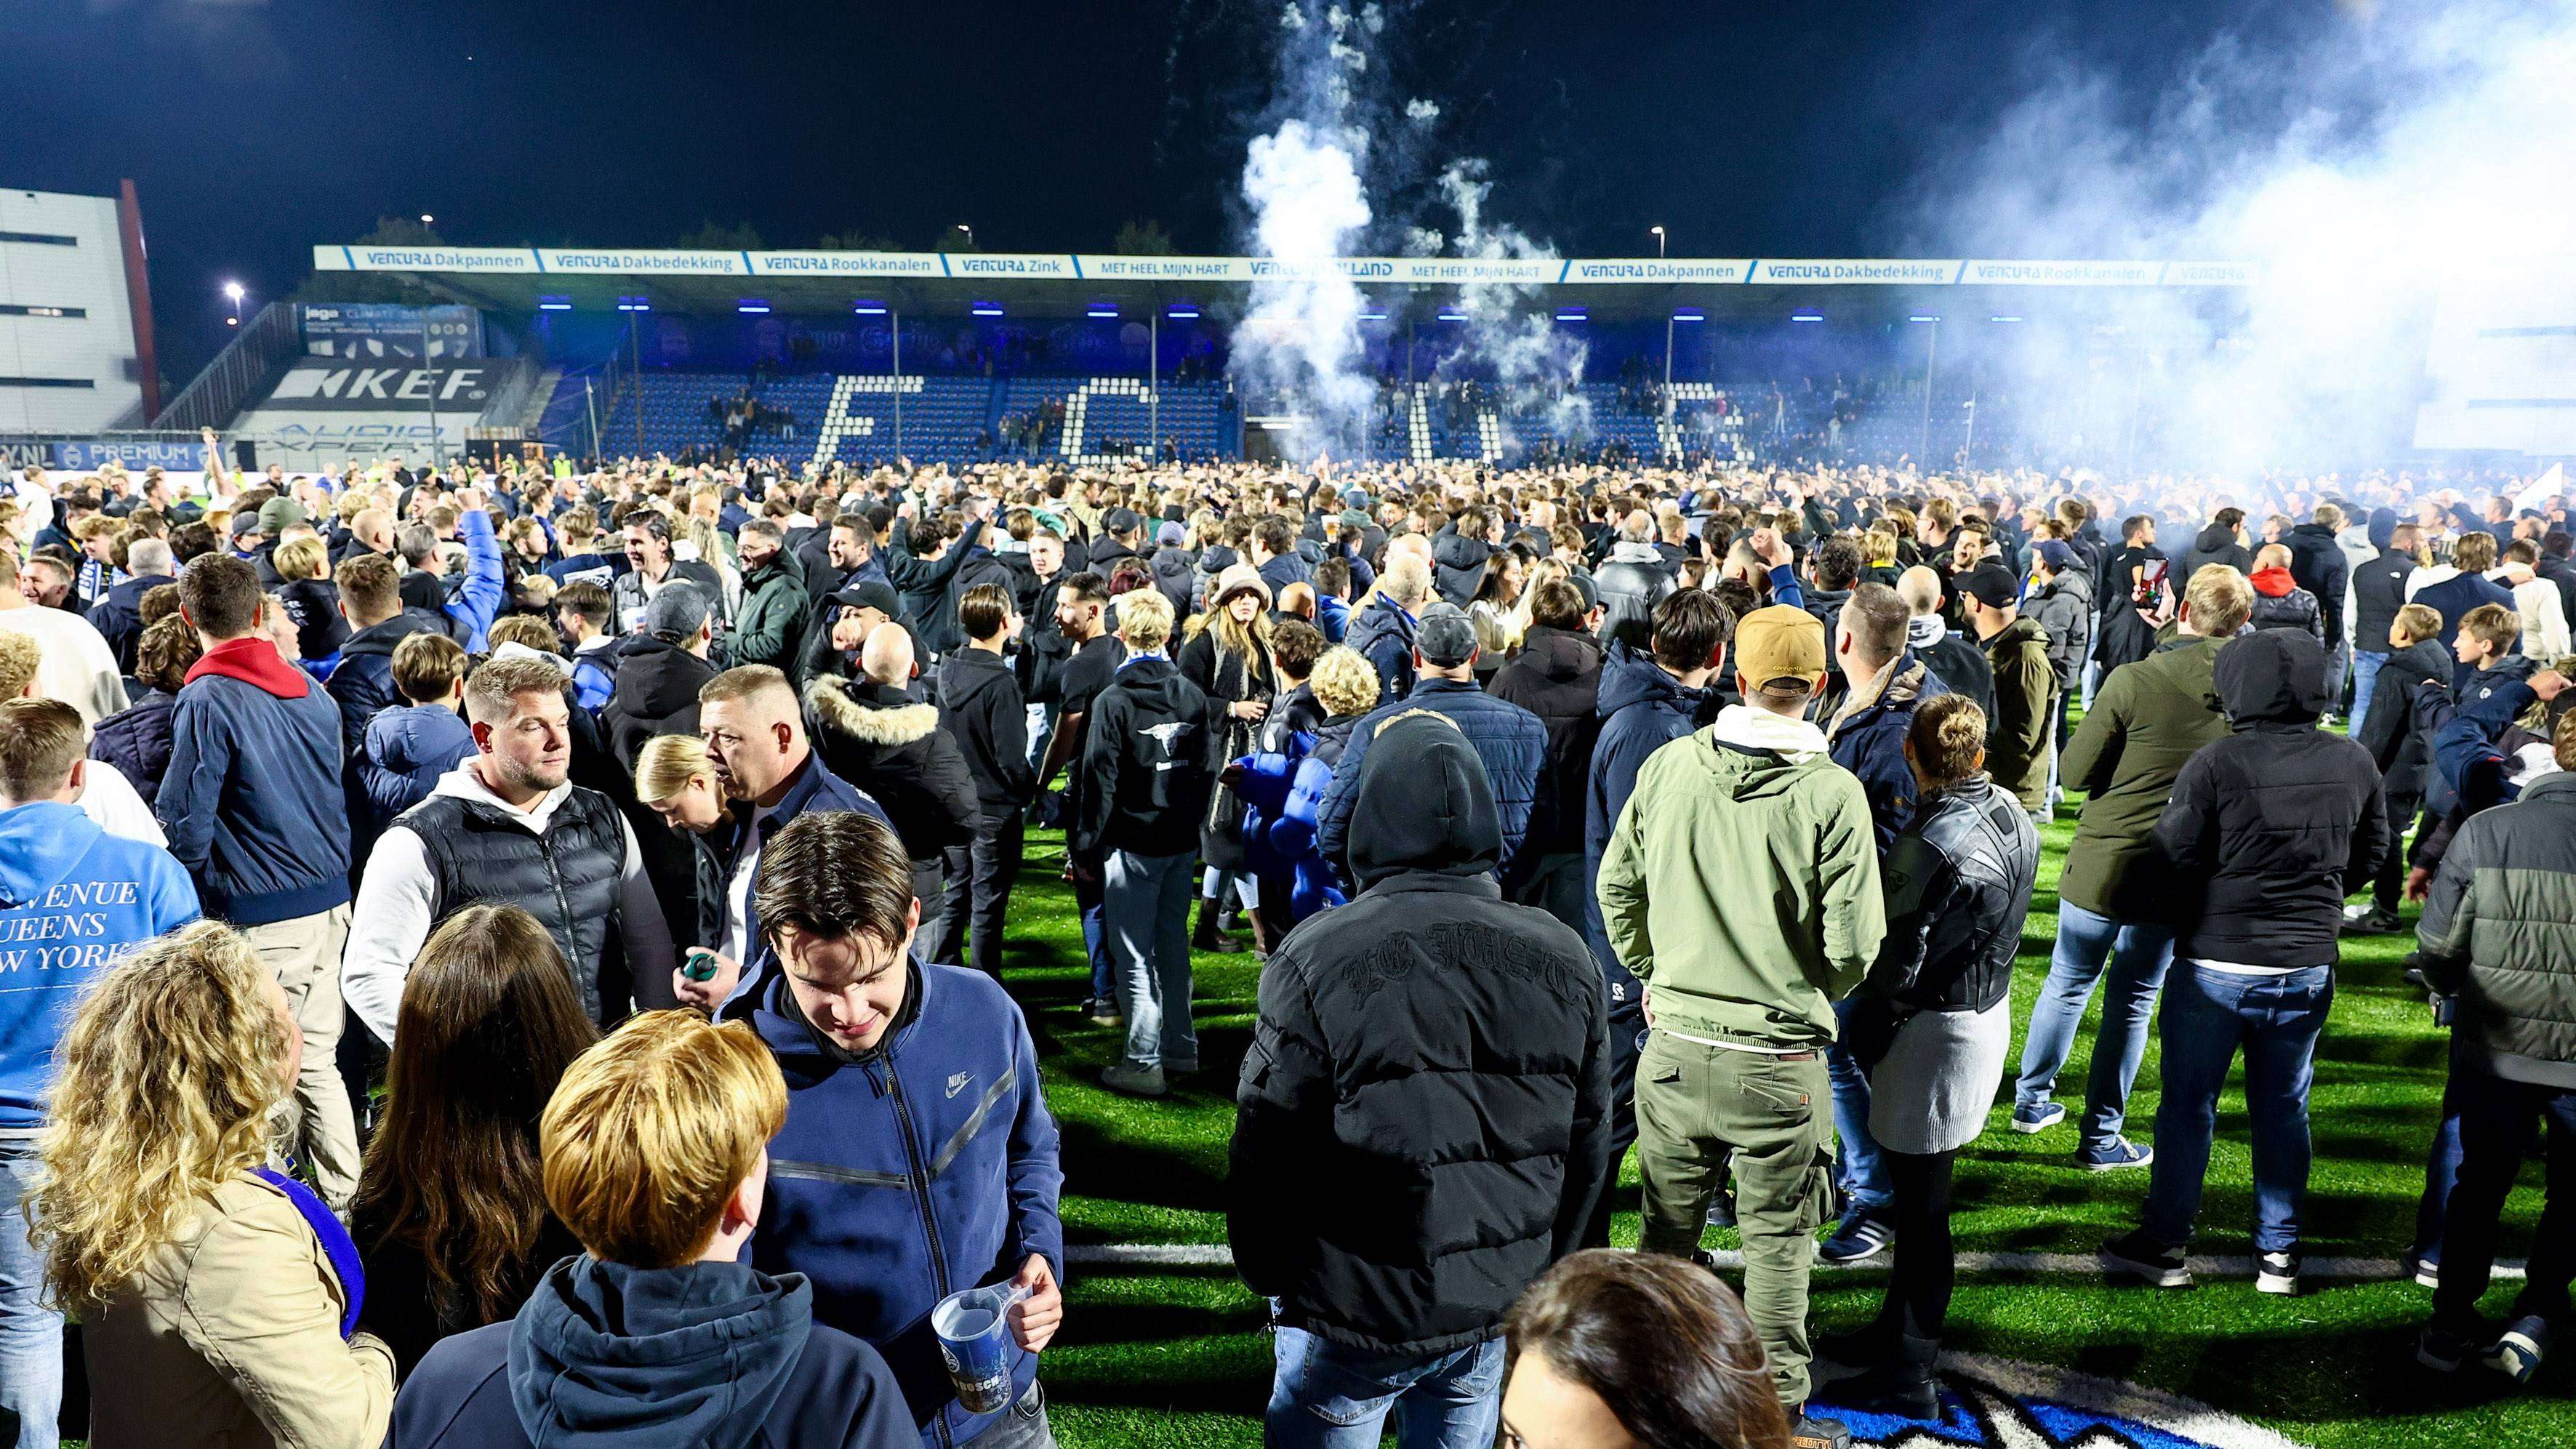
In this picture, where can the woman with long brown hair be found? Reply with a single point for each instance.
(1611, 1350)
(1228, 657)
(451, 1207)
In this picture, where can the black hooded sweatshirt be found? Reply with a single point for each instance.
(1438, 1056)
(2277, 823)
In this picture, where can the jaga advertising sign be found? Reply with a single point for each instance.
(387, 330)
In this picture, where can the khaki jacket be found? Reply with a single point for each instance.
(231, 1338)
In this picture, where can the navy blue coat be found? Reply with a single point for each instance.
(136, 740)
(2455, 597)
(118, 616)
(1509, 740)
(916, 1170)
(253, 801)
(363, 681)
(1384, 632)
(1642, 710)
(1871, 744)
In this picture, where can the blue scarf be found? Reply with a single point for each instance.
(336, 1243)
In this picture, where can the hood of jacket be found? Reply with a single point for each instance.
(658, 678)
(968, 673)
(1424, 805)
(2274, 583)
(381, 638)
(869, 712)
(1645, 553)
(2074, 583)
(129, 594)
(604, 1354)
(410, 738)
(1457, 551)
(40, 842)
(2214, 539)
(1558, 656)
(1216, 558)
(2383, 527)
(2022, 632)
(1628, 677)
(2271, 676)
(254, 661)
(1745, 730)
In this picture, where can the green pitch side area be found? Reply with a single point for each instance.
(1169, 1349)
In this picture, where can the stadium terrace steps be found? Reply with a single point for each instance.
(852, 417)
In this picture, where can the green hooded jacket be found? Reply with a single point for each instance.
(2147, 719)
(1741, 882)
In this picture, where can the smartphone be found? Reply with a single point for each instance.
(2154, 582)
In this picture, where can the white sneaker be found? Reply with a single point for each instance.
(2277, 1273)
(1122, 1078)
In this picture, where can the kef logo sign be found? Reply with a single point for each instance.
(2007, 1404)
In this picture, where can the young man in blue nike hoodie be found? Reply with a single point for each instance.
(918, 1158)
(656, 1338)
(73, 900)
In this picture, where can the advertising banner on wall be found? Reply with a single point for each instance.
(372, 330)
(362, 387)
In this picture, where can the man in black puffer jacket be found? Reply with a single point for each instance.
(2271, 827)
(1442, 1060)
(872, 733)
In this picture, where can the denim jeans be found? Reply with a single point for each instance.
(2208, 1016)
(2441, 1166)
(1145, 908)
(1864, 1176)
(1087, 894)
(1327, 1396)
(2365, 677)
(2496, 1118)
(2137, 953)
(31, 1335)
(2338, 664)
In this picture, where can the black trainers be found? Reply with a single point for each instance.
(1808, 1432)
(2158, 1265)
(2441, 1350)
(2517, 1352)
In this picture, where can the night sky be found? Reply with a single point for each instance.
(256, 128)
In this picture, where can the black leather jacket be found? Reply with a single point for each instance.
(1958, 885)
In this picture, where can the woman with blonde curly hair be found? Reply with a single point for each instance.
(219, 1298)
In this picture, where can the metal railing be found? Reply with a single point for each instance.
(266, 344)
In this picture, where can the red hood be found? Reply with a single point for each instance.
(254, 661)
(2274, 583)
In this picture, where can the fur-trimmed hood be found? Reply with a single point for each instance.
(870, 712)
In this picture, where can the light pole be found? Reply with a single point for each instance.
(426, 219)
(1668, 323)
(233, 294)
(970, 235)
(1931, 355)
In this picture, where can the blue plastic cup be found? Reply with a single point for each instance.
(974, 1330)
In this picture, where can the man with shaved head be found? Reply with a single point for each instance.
(890, 746)
(755, 739)
(2279, 602)
(1961, 665)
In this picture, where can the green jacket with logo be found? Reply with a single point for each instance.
(1741, 885)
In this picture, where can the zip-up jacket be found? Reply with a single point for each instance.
(253, 802)
(907, 1173)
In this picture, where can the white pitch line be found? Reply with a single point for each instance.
(2069, 1265)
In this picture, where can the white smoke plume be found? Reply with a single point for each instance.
(2391, 149)
(1299, 347)
(1534, 364)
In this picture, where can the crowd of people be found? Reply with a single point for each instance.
(525, 954)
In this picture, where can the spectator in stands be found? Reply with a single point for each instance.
(450, 1215)
(2450, 590)
(254, 808)
(136, 741)
(2268, 830)
(2016, 650)
(651, 569)
(1386, 1023)
(218, 1297)
(2119, 899)
(1930, 1024)
(1147, 757)
(1556, 677)
(1631, 1349)
(1956, 661)
(118, 615)
(654, 1161)
(875, 735)
(1383, 630)
(2493, 942)
(755, 738)
(660, 672)
(507, 826)
(582, 616)
(411, 746)
(2279, 602)
(1509, 739)
(57, 868)
(771, 622)
(980, 707)
(850, 1014)
(1759, 814)
(78, 667)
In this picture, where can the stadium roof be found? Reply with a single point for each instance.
(1050, 284)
